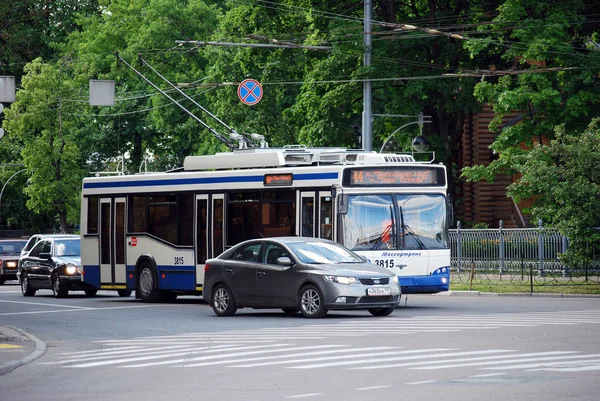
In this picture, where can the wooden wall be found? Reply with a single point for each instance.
(483, 202)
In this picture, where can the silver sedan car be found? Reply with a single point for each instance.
(296, 274)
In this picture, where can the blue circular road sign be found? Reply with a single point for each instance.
(250, 92)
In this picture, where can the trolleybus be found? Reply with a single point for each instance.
(153, 232)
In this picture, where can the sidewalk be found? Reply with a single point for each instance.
(18, 348)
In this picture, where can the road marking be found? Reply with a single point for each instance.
(371, 388)
(399, 358)
(304, 395)
(83, 309)
(10, 346)
(44, 304)
(201, 350)
(424, 382)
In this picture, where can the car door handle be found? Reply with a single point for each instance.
(228, 271)
(261, 273)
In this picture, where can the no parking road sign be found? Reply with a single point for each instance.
(250, 92)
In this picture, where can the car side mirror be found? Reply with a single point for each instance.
(284, 261)
(45, 255)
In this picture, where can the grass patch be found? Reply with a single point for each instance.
(525, 288)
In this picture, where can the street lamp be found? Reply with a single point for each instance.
(420, 120)
(1, 192)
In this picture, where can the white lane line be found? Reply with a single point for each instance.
(489, 375)
(287, 362)
(399, 358)
(220, 357)
(410, 364)
(304, 354)
(83, 309)
(304, 395)
(535, 365)
(371, 388)
(424, 382)
(45, 304)
(136, 353)
(536, 357)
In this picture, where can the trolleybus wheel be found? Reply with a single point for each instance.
(147, 284)
(91, 293)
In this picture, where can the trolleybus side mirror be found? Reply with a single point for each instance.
(343, 204)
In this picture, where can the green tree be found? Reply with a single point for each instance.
(565, 183)
(549, 53)
(50, 151)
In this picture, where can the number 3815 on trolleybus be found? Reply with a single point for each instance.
(153, 232)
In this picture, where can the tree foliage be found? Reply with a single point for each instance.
(311, 97)
(566, 187)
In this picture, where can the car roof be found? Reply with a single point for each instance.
(55, 235)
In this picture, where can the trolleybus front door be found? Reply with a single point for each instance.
(112, 243)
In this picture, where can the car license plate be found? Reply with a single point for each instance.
(379, 291)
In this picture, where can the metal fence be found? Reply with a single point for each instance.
(515, 256)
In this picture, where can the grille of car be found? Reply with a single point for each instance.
(377, 300)
(376, 280)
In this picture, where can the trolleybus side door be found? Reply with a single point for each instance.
(201, 238)
(112, 242)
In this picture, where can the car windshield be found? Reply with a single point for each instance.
(323, 253)
(11, 248)
(67, 248)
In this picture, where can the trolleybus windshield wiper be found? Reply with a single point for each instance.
(410, 231)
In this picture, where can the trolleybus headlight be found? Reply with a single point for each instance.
(70, 269)
(341, 279)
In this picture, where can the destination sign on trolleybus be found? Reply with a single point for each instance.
(402, 175)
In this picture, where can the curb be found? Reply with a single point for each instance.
(461, 293)
(40, 349)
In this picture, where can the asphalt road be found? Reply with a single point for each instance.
(435, 347)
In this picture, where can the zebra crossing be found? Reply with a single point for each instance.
(288, 348)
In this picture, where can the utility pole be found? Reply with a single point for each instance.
(367, 116)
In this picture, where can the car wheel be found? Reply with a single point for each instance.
(124, 293)
(91, 293)
(381, 311)
(147, 285)
(25, 288)
(311, 302)
(222, 301)
(290, 311)
(60, 290)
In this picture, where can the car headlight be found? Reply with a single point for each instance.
(70, 269)
(341, 279)
(394, 280)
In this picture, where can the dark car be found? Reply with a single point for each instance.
(55, 264)
(308, 275)
(10, 250)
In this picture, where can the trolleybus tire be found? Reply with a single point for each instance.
(147, 284)
(91, 293)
